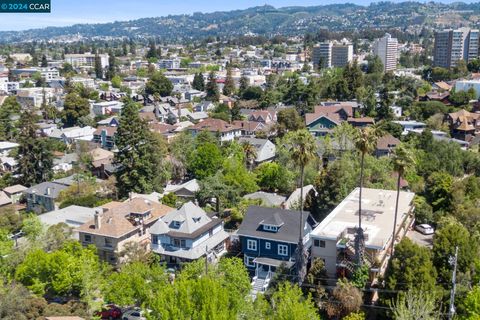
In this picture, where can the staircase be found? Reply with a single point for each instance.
(260, 282)
(258, 285)
(368, 259)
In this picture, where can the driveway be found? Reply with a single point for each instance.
(420, 239)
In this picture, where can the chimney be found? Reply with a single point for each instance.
(48, 191)
(98, 219)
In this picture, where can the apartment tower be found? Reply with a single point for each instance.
(387, 49)
(454, 45)
(332, 54)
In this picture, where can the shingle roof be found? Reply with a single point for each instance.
(47, 189)
(15, 189)
(115, 218)
(386, 142)
(268, 199)
(215, 125)
(288, 232)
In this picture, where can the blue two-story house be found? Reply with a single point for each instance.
(186, 234)
(269, 237)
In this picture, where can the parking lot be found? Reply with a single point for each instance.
(421, 239)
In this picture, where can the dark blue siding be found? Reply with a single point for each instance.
(262, 251)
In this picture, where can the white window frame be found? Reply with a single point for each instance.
(282, 250)
(246, 260)
(268, 245)
(252, 245)
(268, 227)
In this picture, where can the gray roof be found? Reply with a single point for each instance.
(265, 148)
(288, 232)
(268, 199)
(294, 198)
(70, 180)
(73, 216)
(44, 187)
(190, 217)
(66, 158)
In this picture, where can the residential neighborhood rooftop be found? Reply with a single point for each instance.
(378, 209)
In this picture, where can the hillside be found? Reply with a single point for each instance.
(264, 20)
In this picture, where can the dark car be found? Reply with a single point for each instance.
(109, 312)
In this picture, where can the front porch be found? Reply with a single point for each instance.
(265, 269)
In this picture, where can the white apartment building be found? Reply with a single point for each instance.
(465, 85)
(169, 64)
(332, 54)
(387, 49)
(454, 45)
(322, 55)
(8, 86)
(33, 97)
(333, 238)
(86, 60)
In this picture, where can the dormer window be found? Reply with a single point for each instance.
(270, 228)
(177, 224)
(272, 224)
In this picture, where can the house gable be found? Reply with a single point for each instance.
(322, 123)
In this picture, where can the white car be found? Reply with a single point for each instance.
(133, 315)
(424, 228)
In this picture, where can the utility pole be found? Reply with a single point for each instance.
(453, 261)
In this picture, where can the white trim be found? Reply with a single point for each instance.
(269, 239)
(268, 245)
(246, 259)
(251, 245)
(281, 251)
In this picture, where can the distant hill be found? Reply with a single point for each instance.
(267, 21)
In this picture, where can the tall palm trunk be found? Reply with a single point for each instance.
(359, 236)
(300, 249)
(396, 213)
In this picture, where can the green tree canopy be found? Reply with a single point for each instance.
(140, 156)
(158, 84)
(74, 108)
(34, 157)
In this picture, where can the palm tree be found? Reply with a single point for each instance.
(302, 148)
(365, 142)
(402, 160)
(250, 153)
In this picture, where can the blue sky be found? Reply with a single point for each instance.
(68, 12)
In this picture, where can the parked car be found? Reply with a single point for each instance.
(133, 314)
(424, 228)
(110, 312)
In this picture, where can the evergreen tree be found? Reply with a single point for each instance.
(198, 82)
(213, 93)
(111, 66)
(384, 112)
(158, 84)
(74, 108)
(98, 67)
(124, 49)
(140, 155)
(132, 47)
(354, 77)
(244, 84)
(152, 50)
(34, 158)
(229, 87)
(44, 61)
(9, 108)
